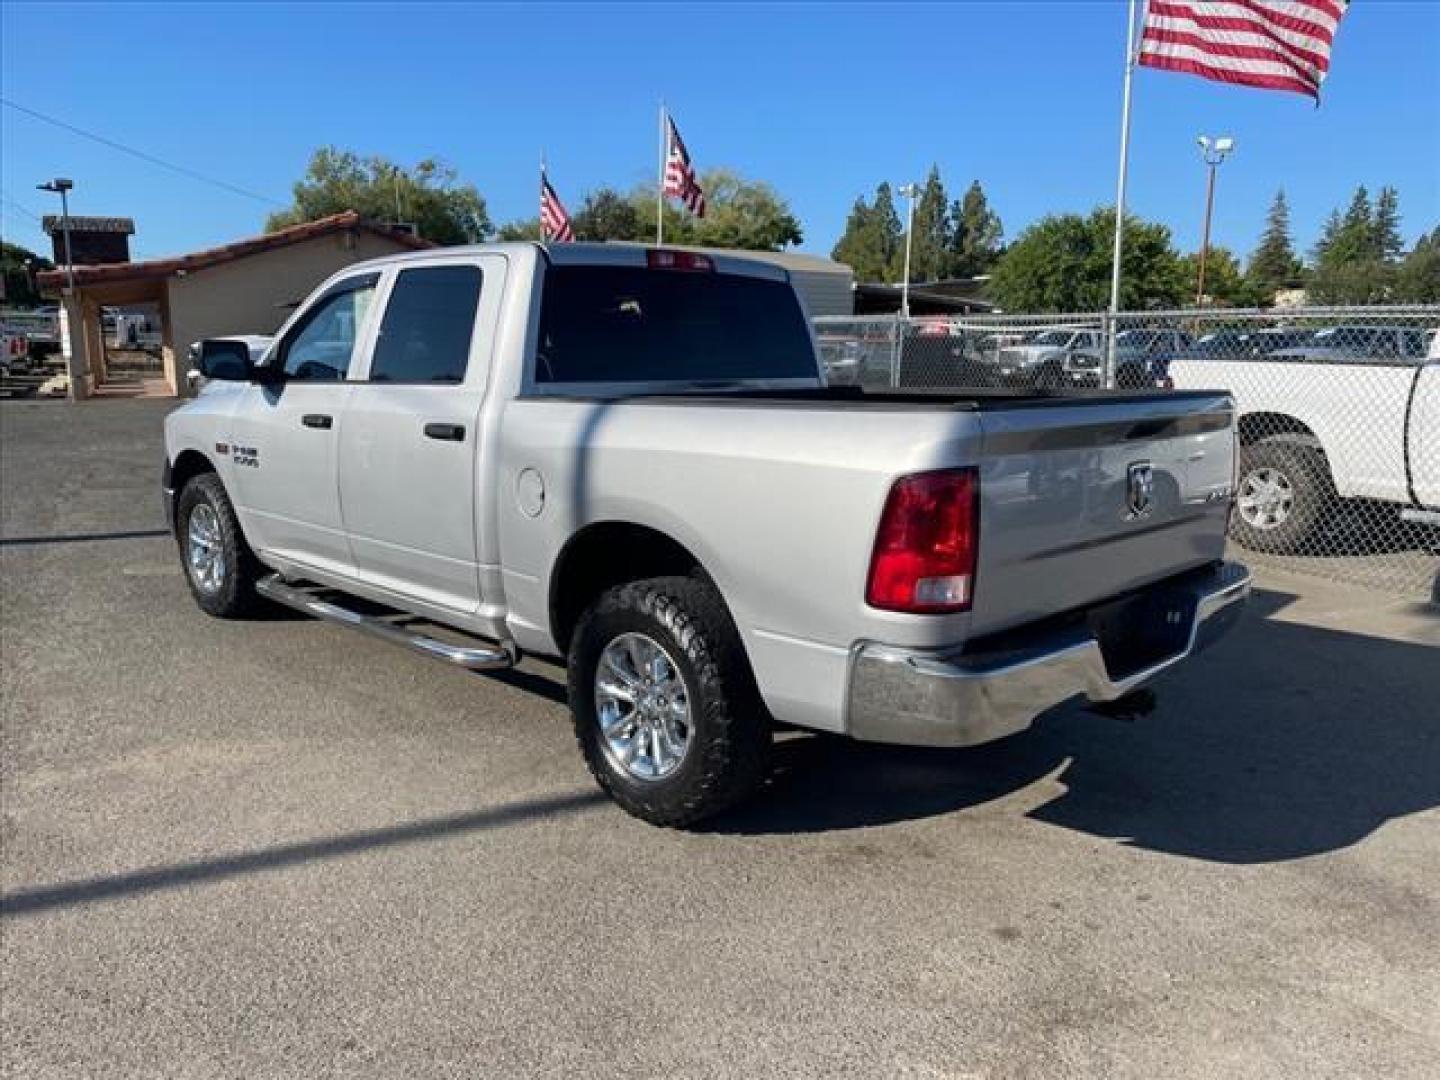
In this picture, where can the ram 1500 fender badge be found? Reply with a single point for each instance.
(530, 492)
(1140, 489)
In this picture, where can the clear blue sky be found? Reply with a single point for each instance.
(822, 100)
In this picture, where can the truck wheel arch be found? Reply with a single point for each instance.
(1263, 425)
(605, 554)
(188, 465)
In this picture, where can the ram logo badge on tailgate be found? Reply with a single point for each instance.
(1141, 489)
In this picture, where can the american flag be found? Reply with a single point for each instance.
(554, 221)
(680, 174)
(1273, 44)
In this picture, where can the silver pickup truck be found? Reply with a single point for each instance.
(627, 458)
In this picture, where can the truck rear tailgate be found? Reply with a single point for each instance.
(1082, 501)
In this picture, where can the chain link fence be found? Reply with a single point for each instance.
(1339, 411)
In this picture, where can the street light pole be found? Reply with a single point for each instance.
(909, 191)
(1212, 152)
(62, 186)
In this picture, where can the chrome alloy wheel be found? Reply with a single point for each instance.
(205, 549)
(642, 707)
(1265, 499)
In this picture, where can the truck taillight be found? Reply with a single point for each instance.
(925, 548)
(664, 259)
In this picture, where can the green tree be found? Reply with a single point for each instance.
(1274, 265)
(19, 266)
(859, 245)
(429, 195)
(522, 229)
(1062, 263)
(1226, 284)
(929, 254)
(1418, 278)
(1351, 266)
(1329, 234)
(1386, 242)
(605, 214)
(975, 236)
(871, 243)
(744, 214)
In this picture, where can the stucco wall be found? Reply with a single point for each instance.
(247, 296)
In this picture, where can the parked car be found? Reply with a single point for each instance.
(1328, 422)
(1143, 355)
(1237, 343)
(1359, 343)
(627, 458)
(938, 353)
(14, 347)
(1053, 358)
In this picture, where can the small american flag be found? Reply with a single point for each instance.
(680, 179)
(554, 221)
(1273, 44)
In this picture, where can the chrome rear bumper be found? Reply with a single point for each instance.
(963, 698)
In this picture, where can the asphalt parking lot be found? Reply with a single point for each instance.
(279, 849)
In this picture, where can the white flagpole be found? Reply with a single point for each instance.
(660, 184)
(1109, 378)
(542, 196)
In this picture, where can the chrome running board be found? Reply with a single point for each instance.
(483, 658)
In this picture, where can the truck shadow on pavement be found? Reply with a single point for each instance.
(1283, 741)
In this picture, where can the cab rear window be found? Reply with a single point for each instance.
(630, 324)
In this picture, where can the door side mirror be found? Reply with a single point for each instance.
(228, 361)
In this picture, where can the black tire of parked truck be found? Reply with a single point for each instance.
(684, 623)
(219, 566)
(1284, 494)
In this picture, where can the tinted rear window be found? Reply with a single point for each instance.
(628, 324)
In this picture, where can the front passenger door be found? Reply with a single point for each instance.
(285, 432)
(408, 453)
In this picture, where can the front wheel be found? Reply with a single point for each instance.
(666, 711)
(219, 566)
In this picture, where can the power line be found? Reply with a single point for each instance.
(151, 158)
(16, 206)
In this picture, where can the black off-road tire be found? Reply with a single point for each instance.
(1304, 469)
(235, 596)
(730, 734)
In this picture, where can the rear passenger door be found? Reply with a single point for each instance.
(408, 447)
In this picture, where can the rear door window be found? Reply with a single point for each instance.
(632, 324)
(429, 321)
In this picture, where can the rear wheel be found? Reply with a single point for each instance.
(1284, 492)
(666, 711)
(219, 566)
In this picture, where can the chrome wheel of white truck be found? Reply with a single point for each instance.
(666, 710)
(204, 550)
(642, 707)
